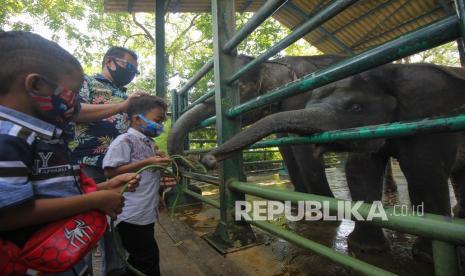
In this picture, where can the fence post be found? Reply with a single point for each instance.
(229, 233)
(446, 261)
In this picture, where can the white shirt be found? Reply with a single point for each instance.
(140, 206)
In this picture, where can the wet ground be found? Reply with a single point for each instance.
(278, 257)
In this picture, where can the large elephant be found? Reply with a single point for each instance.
(266, 77)
(389, 93)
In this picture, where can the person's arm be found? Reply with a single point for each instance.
(119, 181)
(47, 210)
(94, 112)
(134, 167)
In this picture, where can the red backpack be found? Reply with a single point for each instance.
(57, 246)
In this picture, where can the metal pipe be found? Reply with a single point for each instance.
(197, 76)
(202, 177)
(174, 106)
(446, 262)
(160, 48)
(460, 8)
(209, 201)
(445, 229)
(203, 98)
(351, 262)
(208, 122)
(203, 140)
(313, 22)
(423, 126)
(270, 7)
(427, 37)
(263, 162)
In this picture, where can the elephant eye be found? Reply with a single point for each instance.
(354, 108)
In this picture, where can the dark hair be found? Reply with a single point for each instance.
(118, 52)
(25, 52)
(144, 104)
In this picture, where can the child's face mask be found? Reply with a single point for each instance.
(56, 108)
(152, 129)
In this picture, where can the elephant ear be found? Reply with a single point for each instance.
(424, 90)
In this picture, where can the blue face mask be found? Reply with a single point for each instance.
(152, 129)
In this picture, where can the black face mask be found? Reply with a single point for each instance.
(121, 76)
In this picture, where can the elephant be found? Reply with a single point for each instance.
(389, 93)
(264, 78)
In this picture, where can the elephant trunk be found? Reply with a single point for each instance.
(187, 123)
(297, 121)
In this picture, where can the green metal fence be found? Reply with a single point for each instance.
(445, 232)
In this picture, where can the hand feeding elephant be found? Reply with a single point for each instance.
(388, 93)
(266, 77)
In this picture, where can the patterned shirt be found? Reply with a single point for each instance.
(140, 206)
(92, 139)
(34, 163)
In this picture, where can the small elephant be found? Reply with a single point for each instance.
(389, 93)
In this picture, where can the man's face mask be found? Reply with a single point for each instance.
(152, 129)
(122, 75)
(56, 108)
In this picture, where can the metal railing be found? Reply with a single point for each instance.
(445, 232)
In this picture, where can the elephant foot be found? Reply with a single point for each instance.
(368, 239)
(422, 250)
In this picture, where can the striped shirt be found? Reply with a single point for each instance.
(34, 163)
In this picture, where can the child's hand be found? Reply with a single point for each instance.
(109, 202)
(158, 160)
(160, 153)
(167, 181)
(117, 182)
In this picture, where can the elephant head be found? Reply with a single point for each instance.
(389, 93)
(260, 80)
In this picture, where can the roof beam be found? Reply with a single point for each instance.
(339, 43)
(356, 19)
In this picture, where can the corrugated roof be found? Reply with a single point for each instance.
(365, 24)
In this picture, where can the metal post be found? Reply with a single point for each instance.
(160, 47)
(229, 233)
(174, 106)
(460, 8)
(446, 262)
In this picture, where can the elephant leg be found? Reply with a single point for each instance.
(389, 182)
(312, 169)
(426, 163)
(293, 169)
(365, 174)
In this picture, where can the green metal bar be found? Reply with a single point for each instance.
(208, 122)
(197, 151)
(446, 261)
(259, 151)
(228, 231)
(424, 126)
(265, 170)
(202, 177)
(174, 106)
(460, 8)
(348, 261)
(203, 141)
(209, 201)
(261, 15)
(160, 48)
(433, 35)
(203, 98)
(313, 22)
(444, 228)
(263, 162)
(197, 76)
